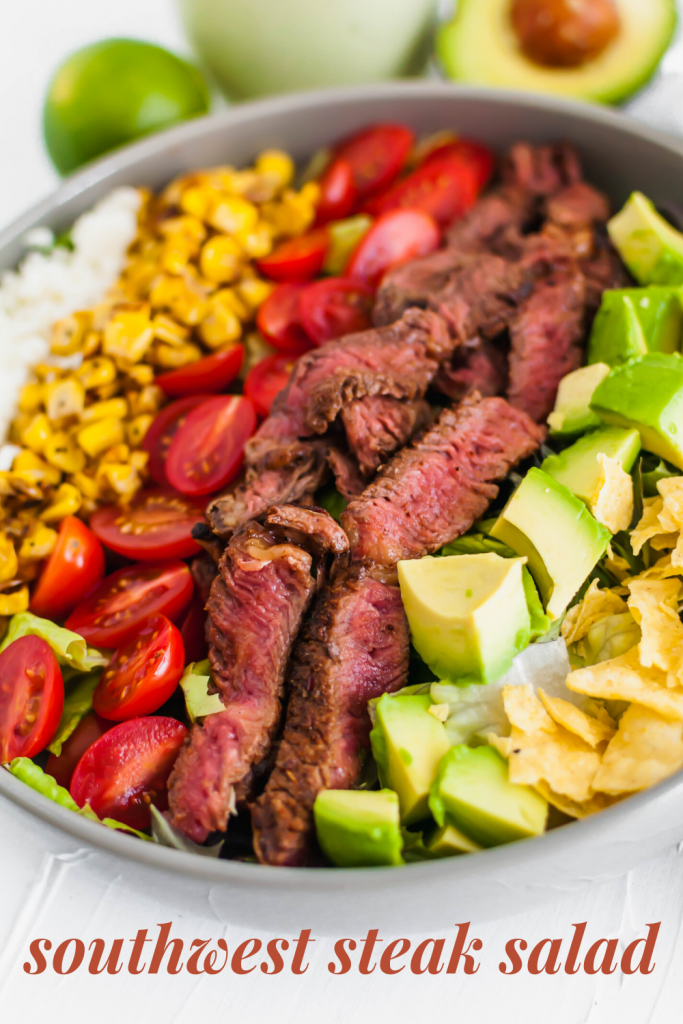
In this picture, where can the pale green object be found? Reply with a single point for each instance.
(69, 648)
(344, 237)
(408, 743)
(449, 841)
(651, 249)
(634, 321)
(359, 828)
(610, 637)
(562, 541)
(577, 467)
(472, 792)
(572, 413)
(259, 47)
(77, 704)
(194, 682)
(468, 614)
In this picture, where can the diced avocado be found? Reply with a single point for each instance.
(480, 47)
(577, 467)
(651, 249)
(634, 321)
(468, 614)
(358, 828)
(572, 413)
(472, 792)
(448, 841)
(540, 622)
(660, 313)
(344, 237)
(560, 538)
(647, 394)
(408, 743)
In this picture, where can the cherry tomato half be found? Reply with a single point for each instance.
(84, 735)
(468, 151)
(156, 524)
(127, 769)
(266, 380)
(279, 319)
(336, 306)
(114, 610)
(143, 673)
(208, 450)
(445, 188)
(193, 631)
(162, 430)
(394, 238)
(211, 374)
(376, 155)
(75, 565)
(298, 259)
(338, 192)
(31, 697)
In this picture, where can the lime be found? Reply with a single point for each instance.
(112, 92)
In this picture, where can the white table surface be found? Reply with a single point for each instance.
(52, 887)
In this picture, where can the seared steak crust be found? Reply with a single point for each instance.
(353, 648)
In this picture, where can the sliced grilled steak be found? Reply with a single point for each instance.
(545, 343)
(255, 607)
(541, 170)
(495, 220)
(482, 368)
(377, 427)
(434, 489)
(311, 527)
(578, 205)
(412, 284)
(353, 648)
(347, 476)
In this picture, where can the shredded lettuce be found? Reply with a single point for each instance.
(477, 544)
(540, 623)
(77, 704)
(69, 648)
(194, 683)
(166, 834)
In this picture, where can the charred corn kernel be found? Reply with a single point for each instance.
(43, 473)
(116, 407)
(141, 374)
(129, 333)
(103, 394)
(96, 373)
(139, 460)
(171, 357)
(222, 325)
(64, 398)
(99, 436)
(254, 291)
(14, 603)
(69, 334)
(35, 435)
(190, 229)
(175, 257)
(196, 201)
(66, 502)
(276, 164)
(139, 276)
(8, 559)
(17, 428)
(31, 398)
(87, 485)
(183, 296)
(20, 483)
(148, 399)
(166, 329)
(230, 298)
(137, 428)
(61, 452)
(47, 372)
(39, 543)
(122, 478)
(233, 214)
(221, 259)
(295, 213)
(310, 193)
(92, 344)
(258, 242)
(117, 453)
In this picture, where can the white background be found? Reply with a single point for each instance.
(50, 887)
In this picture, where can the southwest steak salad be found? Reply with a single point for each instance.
(341, 512)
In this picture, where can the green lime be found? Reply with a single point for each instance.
(112, 92)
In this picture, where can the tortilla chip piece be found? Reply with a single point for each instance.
(598, 802)
(663, 569)
(645, 749)
(595, 605)
(616, 564)
(574, 720)
(624, 678)
(653, 604)
(525, 711)
(613, 506)
(671, 490)
(649, 525)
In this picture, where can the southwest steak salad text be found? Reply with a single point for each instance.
(341, 513)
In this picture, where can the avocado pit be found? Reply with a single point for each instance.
(564, 33)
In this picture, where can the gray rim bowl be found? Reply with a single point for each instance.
(619, 155)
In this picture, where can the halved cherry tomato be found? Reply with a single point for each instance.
(211, 374)
(127, 769)
(336, 306)
(31, 697)
(338, 192)
(143, 673)
(298, 259)
(113, 610)
(469, 151)
(208, 450)
(376, 155)
(266, 380)
(445, 188)
(84, 735)
(193, 631)
(162, 430)
(279, 319)
(75, 565)
(156, 524)
(394, 238)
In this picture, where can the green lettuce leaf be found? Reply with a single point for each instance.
(540, 623)
(69, 648)
(77, 704)
(166, 834)
(194, 682)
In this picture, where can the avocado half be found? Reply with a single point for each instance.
(479, 46)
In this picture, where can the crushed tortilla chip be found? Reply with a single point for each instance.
(624, 678)
(616, 564)
(661, 570)
(598, 802)
(645, 749)
(653, 604)
(524, 710)
(595, 605)
(590, 730)
(613, 506)
(649, 525)
(671, 490)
